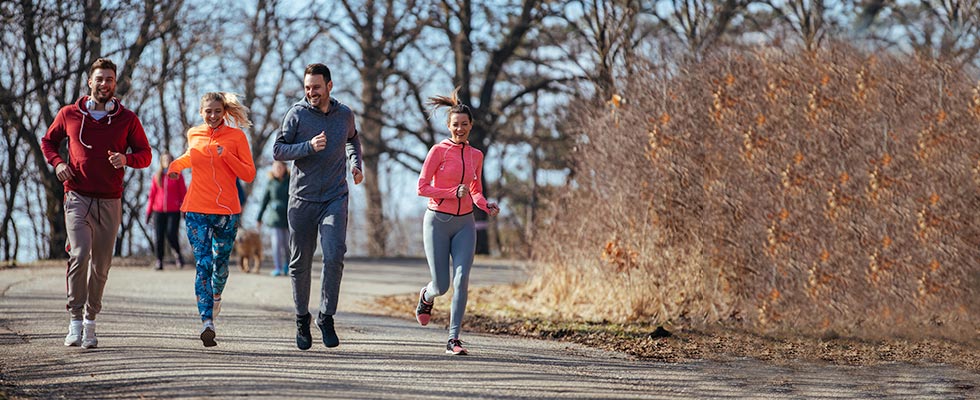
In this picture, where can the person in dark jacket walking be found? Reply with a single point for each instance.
(276, 200)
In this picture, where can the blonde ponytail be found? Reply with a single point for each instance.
(235, 112)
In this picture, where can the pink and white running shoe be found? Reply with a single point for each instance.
(424, 310)
(455, 347)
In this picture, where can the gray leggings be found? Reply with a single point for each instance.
(446, 235)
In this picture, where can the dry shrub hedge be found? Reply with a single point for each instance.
(775, 190)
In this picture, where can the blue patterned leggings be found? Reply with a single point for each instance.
(212, 237)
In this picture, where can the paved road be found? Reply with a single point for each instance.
(149, 349)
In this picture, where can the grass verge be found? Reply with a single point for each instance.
(686, 343)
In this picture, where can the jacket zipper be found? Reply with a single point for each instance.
(462, 176)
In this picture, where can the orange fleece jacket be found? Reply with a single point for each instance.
(212, 189)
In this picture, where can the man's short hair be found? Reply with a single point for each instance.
(318, 69)
(102, 63)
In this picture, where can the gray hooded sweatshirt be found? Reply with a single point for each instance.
(318, 176)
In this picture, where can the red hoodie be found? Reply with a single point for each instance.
(447, 166)
(89, 143)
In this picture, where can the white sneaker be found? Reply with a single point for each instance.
(89, 340)
(74, 337)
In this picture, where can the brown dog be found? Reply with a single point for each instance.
(248, 245)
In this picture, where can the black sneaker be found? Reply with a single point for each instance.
(329, 334)
(423, 311)
(304, 340)
(455, 347)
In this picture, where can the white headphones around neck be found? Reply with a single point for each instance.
(109, 106)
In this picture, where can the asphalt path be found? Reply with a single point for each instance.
(149, 348)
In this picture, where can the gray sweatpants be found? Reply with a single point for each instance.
(306, 220)
(92, 224)
(446, 235)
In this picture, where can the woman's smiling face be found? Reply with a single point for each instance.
(459, 127)
(213, 113)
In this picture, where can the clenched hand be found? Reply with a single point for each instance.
(319, 142)
(64, 172)
(358, 176)
(118, 160)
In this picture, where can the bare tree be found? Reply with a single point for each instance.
(264, 28)
(28, 104)
(15, 112)
(492, 73)
(156, 19)
(47, 80)
(868, 11)
(9, 185)
(270, 41)
(948, 30)
(700, 24)
(809, 20)
(381, 31)
(611, 33)
(806, 18)
(539, 143)
(268, 49)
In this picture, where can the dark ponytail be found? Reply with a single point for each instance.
(452, 102)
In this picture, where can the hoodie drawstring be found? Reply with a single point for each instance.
(82, 129)
(85, 115)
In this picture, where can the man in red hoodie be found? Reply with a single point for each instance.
(103, 137)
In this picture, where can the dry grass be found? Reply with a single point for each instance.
(773, 191)
(494, 310)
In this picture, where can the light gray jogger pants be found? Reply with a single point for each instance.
(92, 224)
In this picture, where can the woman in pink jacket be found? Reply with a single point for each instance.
(451, 179)
(166, 197)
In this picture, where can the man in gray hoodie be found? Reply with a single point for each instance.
(319, 136)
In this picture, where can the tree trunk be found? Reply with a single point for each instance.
(54, 190)
(371, 147)
(377, 228)
(54, 212)
(10, 246)
(92, 44)
(161, 96)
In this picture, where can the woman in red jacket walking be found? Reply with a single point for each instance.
(166, 197)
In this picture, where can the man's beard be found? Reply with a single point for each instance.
(103, 99)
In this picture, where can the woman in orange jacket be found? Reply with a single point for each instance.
(217, 154)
